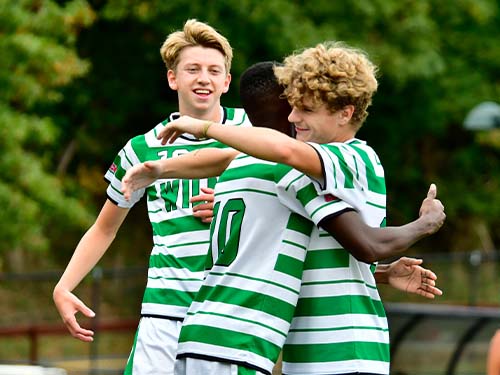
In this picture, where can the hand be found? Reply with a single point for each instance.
(204, 211)
(407, 275)
(68, 305)
(183, 124)
(433, 210)
(140, 176)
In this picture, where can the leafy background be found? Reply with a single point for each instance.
(78, 78)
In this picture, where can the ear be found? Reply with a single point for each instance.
(346, 113)
(227, 81)
(172, 80)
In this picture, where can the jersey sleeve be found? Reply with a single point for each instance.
(125, 159)
(352, 172)
(297, 192)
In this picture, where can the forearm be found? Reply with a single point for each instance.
(369, 244)
(269, 144)
(88, 252)
(210, 162)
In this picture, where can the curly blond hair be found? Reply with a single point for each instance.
(330, 73)
(195, 33)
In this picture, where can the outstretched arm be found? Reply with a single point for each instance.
(407, 275)
(208, 162)
(370, 244)
(263, 143)
(89, 250)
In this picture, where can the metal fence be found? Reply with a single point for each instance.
(447, 336)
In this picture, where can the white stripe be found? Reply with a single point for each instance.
(338, 336)
(182, 285)
(341, 367)
(252, 327)
(338, 289)
(338, 321)
(253, 286)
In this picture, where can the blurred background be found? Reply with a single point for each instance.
(79, 78)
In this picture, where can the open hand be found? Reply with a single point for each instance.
(68, 306)
(407, 275)
(183, 124)
(140, 176)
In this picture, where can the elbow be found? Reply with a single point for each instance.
(369, 253)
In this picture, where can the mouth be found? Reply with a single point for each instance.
(202, 92)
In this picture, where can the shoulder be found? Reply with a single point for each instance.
(236, 116)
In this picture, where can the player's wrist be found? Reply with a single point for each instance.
(205, 128)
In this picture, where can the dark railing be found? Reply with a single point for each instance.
(461, 326)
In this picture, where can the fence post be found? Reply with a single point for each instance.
(475, 260)
(96, 300)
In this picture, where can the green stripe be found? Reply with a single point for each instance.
(178, 225)
(307, 194)
(376, 205)
(230, 339)
(322, 306)
(335, 352)
(300, 224)
(229, 113)
(327, 258)
(260, 171)
(194, 263)
(233, 317)
(375, 183)
(168, 296)
(249, 299)
(289, 265)
(348, 176)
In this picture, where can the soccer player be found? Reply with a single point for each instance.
(340, 325)
(198, 62)
(242, 312)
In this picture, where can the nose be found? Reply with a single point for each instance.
(293, 116)
(203, 76)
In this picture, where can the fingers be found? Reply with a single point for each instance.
(429, 291)
(432, 193)
(205, 216)
(208, 190)
(411, 261)
(428, 274)
(77, 331)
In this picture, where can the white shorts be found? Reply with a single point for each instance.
(155, 347)
(194, 366)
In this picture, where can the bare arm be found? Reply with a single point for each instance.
(263, 143)
(493, 359)
(208, 162)
(89, 250)
(370, 244)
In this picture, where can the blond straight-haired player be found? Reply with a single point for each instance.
(198, 61)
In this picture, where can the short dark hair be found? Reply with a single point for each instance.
(262, 97)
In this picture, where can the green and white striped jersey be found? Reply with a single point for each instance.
(259, 236)
(340, 326)
(180, 241)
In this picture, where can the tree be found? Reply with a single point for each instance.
(37, 59)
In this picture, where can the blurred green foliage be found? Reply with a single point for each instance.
(78, 78)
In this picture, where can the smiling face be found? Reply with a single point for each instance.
(200, 79)
(320, 125)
